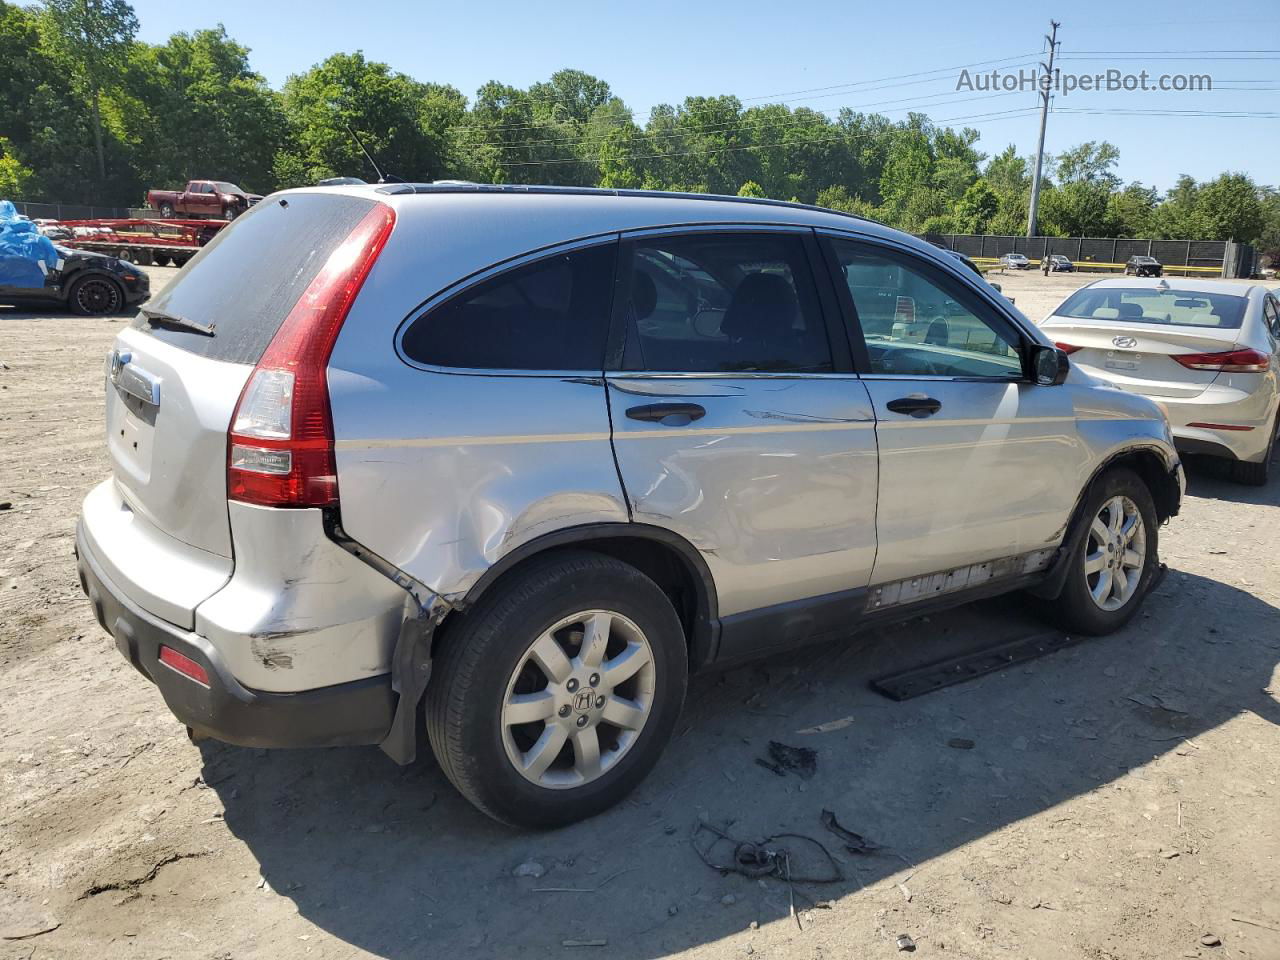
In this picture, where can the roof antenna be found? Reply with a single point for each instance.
(368, 156)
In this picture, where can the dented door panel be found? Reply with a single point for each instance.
(775, 485)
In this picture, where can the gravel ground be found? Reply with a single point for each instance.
(1118, 799)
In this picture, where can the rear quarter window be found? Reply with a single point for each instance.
(247, 279)
(549, 315)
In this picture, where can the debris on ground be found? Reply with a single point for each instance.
(530, 868)
(770, 857)
(26, 933)
(1211, 940)
(1255, 923)
(728, 900)
(584, 943)
(828, 727)
(854, 842)
(960, 743)
(801, 761)
(905, 943)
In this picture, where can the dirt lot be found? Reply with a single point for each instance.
(1119, 799)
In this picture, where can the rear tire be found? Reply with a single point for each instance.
(1110, 569)
(166, 210)
(589, 740)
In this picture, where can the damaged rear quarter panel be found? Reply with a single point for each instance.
(461, 468)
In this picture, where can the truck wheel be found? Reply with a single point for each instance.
(95, 296)
(1110, 569)
(230, 213)
(166, 209)
(554, 696)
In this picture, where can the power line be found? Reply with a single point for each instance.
(756, 146)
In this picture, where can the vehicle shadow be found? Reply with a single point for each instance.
(1211, 477)
(394, 862)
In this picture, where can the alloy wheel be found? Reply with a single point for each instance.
(1116, 553)
(96, 296)
(578, 699)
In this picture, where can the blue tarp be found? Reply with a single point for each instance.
(22, 250)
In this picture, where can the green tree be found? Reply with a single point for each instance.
(977, 208)
(15, 179)
(90, 40)
(1008, 176)
(196, 109)
(750, 189)
(1229, 208)
(1130, 211)
(347, 93)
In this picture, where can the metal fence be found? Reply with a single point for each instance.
(1203, 257)
(68, 211)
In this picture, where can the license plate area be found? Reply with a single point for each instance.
(1116, 360)
(131, 434)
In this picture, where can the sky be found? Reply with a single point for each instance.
(826, 54)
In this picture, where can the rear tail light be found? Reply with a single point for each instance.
(280, 446)
(1231, 361)
(1067, 347)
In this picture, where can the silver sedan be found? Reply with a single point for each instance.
(1207, 351)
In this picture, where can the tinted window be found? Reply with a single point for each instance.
(725, 302)
(247, 279)
(548, 315)
(917, 325)
(1184, 308)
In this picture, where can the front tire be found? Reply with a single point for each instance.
(553, 697)
(1110, 568)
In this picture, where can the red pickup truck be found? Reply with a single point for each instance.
(203, 198)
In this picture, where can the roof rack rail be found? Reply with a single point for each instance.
(460, 186)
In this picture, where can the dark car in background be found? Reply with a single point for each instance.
(1060, 264)
(87, 283)
(1143, 267)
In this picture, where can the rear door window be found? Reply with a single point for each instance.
(724, 302)
(247, 279)
(550, 315)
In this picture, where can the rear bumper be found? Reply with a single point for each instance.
(1221, 405)
(358, 712)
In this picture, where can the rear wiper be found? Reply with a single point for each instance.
(173, 320)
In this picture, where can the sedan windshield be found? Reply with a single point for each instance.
(1149, 305)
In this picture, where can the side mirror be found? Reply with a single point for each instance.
(1049, 365)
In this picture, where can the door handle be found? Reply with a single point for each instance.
(915, 406)
(670, 414)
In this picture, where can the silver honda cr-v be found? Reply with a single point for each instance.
(533, 455)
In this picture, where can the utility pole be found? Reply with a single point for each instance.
(1046, 86)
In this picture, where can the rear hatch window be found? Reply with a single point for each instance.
(247, 279)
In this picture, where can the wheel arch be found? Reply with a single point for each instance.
(673, 563)
(1151, 464)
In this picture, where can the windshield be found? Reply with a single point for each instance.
(1150, 305)
(224, 187)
